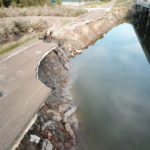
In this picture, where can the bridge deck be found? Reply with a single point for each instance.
(144, 3)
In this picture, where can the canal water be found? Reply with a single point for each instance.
(111, 86)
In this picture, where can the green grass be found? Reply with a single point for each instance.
(12, 45)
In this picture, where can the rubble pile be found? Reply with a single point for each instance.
(56, 123)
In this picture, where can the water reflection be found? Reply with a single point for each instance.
(112, 87)
(141, 24)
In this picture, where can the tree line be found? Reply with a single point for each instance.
(23, 3)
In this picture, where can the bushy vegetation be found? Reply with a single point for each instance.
(23, 3)
(94, 3)
(124, 3)
(11, 32)
(105, 0)
(55, 10)
(17, 29)
(14, 44)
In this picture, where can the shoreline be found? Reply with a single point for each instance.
(56, 125)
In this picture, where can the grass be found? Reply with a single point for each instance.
(17, 33)
(13, 33)
(15, 30)
(95, 4)
(15, 44)
(54, 10)
(124, 3)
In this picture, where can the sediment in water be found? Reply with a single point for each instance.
(57, 125)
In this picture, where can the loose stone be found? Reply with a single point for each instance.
(69, 113)
(49, 123)
(69, 129)
(34, 138)
(47, 145)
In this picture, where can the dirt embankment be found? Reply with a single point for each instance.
(82, 33)
(56, 125)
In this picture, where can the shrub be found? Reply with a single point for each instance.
(13, 31)
(17, 29)
(54, 10)
(23, 3)
(39, 26)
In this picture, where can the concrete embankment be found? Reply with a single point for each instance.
(57, 125)
(82, 33)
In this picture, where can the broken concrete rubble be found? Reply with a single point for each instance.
(69, 113)
(46, 124)
(69, 129)
(49, 126)
(34, 138)
(56, 115)
(47, 145)
(78, 51)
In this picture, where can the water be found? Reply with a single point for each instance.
(111, 85)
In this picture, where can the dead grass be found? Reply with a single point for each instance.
(95, 4)
(12, 45)
(17, 33)
(12, 33)
(124, 3)
(56, 10)
(17, 29)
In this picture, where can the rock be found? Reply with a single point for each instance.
(49, 136)
(69, 129)
(31, 30)
(72, 54)
(48, 123)
(47, 145)
(56, 115)
(69, 113)
(34, 138)
(78, 51)
(64, 107)
(59, 146)
(74, 122)
(57, 118)
(59, 74)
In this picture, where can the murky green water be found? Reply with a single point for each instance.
(111, 84)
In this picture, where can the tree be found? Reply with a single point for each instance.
(24, 3)
(6, 3)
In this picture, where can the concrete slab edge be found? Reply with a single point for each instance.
(18, 140)
(39, 62)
